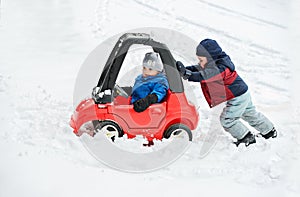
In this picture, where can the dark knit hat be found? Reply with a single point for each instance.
(208, 48)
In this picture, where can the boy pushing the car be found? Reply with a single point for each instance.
(221, 83)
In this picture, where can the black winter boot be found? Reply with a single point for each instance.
(248, 139)
(150, 143)
(272, 133)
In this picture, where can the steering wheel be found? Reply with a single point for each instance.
(120, 91)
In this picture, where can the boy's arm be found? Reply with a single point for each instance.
(196, 77)
(157, 95)
(192, 73)
(142, 104)
(160, 90)
(193, 68)
(209, 74)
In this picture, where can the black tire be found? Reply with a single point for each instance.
(177, 129)
(110, 126)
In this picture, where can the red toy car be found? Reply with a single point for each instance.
(109, 110)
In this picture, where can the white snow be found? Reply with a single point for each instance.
(44, 43)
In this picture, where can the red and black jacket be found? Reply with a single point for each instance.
(219, 80)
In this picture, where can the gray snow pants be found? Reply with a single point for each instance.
(242, 107)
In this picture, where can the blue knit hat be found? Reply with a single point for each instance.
(208, 48)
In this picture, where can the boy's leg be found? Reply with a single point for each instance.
(230, 117)
(256, 119)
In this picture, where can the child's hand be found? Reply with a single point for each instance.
(142, 104)
(182, 70)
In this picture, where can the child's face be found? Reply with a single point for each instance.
(149, 72)
(202, 61)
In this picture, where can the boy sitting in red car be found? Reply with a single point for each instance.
(151, 86)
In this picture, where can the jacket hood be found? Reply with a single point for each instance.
(209, 48)
(225, 60)
(222, 59)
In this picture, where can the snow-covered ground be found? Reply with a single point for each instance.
(44, 43)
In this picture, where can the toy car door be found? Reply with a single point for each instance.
(150, 118)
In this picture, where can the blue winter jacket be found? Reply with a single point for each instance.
(144, 86)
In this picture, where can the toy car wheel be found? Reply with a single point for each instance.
(178, 130)
(110, 129)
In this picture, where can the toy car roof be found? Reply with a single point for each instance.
(113, 64)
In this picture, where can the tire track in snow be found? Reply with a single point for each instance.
(256, 51)
(211, 29)
(101, 15)
(271, 61)
(240, 14)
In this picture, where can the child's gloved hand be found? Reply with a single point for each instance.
(142, 104)
(185, 73)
